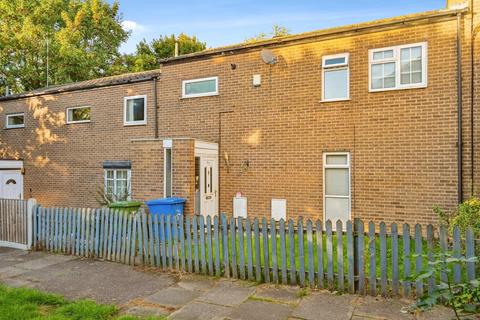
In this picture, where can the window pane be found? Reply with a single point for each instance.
(336, 84)
(110, 174)
(389, 82)
(377, 84)
(337, 209)
(416, 65)
(337, 159)
(336, 182)
(334, 61)
(378, 55)
(200, 87)
(135, 110)
(416, 77)
(405, 54)
(79, 114)
(389, 69)
(377, 71)
(416, 53)
(16, 120)
(405, 78)
(122, 174)
(388, 54)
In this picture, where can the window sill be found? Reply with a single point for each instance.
(199, 96)
(335, 100)
(133, 124)
(78, 122)
(423, 86)
(10, 128)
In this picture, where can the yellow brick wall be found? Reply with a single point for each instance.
(402, 142)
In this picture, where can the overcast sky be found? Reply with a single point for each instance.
(224, 22)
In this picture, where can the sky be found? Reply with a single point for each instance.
(226, 22)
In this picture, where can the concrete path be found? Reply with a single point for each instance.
(148, 292)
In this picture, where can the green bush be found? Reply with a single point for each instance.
(466, 215)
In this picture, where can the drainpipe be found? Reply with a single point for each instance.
(472, 98)
(155, 107)
(459, 109)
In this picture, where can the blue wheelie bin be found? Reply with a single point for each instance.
(167, 207)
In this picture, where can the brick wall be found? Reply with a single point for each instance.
(402, 142)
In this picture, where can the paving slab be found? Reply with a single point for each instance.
(146, 311)
(323, 305)
(228, 293)
(438, 313)
(173, 297)
(10, 272)
(381, 308)
(201, 311)
(195, 282)
(43, 262)
(289, 295)
(252, 309)
(104, 282)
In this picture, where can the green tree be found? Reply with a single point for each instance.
(277, 31)
(147, 55)
(82, 36)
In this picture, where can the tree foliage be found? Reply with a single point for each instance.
(83, 39)
(147, 55)
(277, 31)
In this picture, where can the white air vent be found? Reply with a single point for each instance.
(239, 207)
(279, 209)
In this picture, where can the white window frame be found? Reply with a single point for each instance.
(167, 145)
(134, 123)
(337, 66)
(196, 95)
(397, 60)
(129, 180)
(75, 108)
(337, 166)
(15, 126)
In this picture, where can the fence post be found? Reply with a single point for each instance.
(31, 203)
(356, 221)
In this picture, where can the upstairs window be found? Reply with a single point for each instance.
(335, 77)
(78, 115)
(200, 87)
(400, 67)
(15, 120)
(135, 110)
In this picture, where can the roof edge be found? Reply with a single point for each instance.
(78, 86)
(363, 26)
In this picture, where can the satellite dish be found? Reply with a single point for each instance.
(268, 56)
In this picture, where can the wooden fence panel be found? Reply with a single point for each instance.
(270, 252)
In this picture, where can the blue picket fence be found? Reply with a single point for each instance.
(345, 258)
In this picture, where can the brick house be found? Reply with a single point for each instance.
(354, 121)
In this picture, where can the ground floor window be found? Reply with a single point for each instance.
(336, 186)
(117, 184)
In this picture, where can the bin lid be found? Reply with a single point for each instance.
(171, 200)
(125, 204)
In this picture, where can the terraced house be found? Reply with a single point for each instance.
(377, 120)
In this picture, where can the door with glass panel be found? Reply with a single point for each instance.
(336, 187)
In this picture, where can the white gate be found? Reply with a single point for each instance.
(16, 223)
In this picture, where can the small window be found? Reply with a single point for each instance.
(135, 110)
(400, 67)
(336, 186)
(117, 184)
(16, 120)
(335, 77)
(200, 87)
(78, 115)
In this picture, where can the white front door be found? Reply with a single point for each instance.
(11, 184)
(208, 185)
